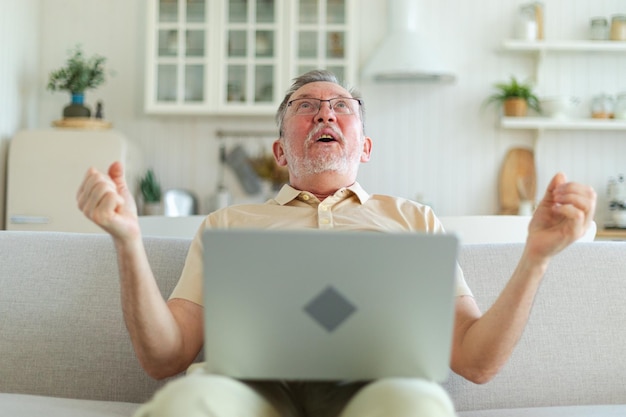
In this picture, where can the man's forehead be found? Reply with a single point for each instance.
(320, 89)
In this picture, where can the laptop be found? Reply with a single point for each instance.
(328, 305)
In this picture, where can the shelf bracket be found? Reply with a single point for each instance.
(540, 62)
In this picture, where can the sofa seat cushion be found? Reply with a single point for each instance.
(569, 411)
(19, 405)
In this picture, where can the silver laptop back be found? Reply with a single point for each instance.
(319, 305)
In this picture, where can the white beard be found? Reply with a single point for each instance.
(340, 162)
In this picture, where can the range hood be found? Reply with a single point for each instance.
(405, 54)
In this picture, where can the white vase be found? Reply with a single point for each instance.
(619, 218)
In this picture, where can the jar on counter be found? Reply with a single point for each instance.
(618, 27)
(599, 30)
(602, 106)
(620, 106)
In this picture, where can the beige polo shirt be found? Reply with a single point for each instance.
(349, 208)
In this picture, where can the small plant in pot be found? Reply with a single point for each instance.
(515, 97)
(78, 75)
(151, 194)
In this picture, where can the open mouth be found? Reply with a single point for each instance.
(326, 139)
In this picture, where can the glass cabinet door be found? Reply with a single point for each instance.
(321, 35)
(180, 67)
(238, 56)
(251, 52)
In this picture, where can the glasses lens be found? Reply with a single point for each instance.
(308, 106)
(342, 105)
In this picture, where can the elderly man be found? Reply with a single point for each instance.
(322, 143)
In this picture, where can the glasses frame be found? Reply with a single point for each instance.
(330, 104)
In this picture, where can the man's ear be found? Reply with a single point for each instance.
(279, 153)
(367, 149)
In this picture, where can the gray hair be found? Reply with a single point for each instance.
(312, 77)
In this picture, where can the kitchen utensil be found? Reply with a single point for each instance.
(517, 176)
(239, 161)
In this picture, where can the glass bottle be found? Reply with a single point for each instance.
(620, 106)
(599, 30)
(539, 19)
(526, 28)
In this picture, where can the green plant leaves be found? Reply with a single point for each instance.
(79, 74)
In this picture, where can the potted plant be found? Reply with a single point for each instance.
(515, 97)
(78, 75)
(151, 194)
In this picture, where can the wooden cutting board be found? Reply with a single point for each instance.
(518, 180)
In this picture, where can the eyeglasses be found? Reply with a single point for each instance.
(310, 106)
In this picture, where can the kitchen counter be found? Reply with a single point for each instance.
(166, 226)
(611, 234)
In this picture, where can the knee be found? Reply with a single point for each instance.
(198, 395)
(400, 397)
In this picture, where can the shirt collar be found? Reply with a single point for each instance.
(288, 193)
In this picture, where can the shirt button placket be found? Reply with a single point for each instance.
(325, 217)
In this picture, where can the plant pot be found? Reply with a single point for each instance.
(515, 107)
(152, 209)
(77, 107)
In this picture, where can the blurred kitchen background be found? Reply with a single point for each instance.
(434, 142)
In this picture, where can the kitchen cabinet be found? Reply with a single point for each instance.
(540, 50)
(238, 56)
(323, 36)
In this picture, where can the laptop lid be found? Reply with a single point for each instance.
(319, 305)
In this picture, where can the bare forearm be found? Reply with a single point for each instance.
(489, 341)
(155, 333)
(153, 330)
(483, 344)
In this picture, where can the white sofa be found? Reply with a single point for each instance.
(64, 350)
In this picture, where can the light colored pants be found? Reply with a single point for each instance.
(203, 395)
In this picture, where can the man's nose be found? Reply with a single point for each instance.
(326, 112)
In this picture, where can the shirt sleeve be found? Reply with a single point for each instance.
(189, 286)
(435, 225)
(461, 286)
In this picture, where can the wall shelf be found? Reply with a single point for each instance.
(546, 123)
(564, 46)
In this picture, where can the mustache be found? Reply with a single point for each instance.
(316, 131)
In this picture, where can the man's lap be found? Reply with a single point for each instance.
(203, 395)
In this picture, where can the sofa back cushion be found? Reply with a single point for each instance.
(572, 351)
(62, 332)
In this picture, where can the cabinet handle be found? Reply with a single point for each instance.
(18, 219)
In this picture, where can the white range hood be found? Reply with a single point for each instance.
(405, 54)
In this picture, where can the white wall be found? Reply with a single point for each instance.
(19, 40)
(429, 140)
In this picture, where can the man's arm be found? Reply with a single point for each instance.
(166, 336)
(483, 343)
